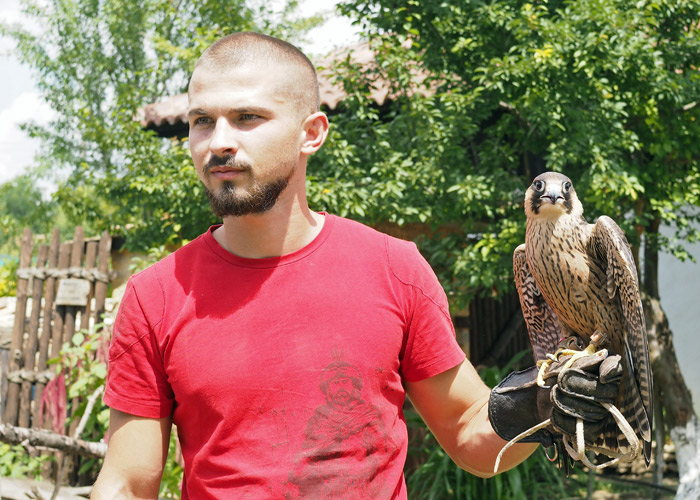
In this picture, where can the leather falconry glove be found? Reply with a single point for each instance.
(518, 403)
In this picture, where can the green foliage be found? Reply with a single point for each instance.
(22, 204)
(172, 474)
(439, 478)
(16, 462)
(604, 90)
(8, 277)
(83, 362)
(139, 263)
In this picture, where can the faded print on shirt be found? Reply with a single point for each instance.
(344, 440)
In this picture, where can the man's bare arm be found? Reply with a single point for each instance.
(136, 454)
(454, 405)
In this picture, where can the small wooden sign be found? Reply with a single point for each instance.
(72, 292)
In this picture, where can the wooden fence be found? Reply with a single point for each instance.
(497, 330)
(61, 288)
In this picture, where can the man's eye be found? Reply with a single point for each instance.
(246, 117)
(202, 120)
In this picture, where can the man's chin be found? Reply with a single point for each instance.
(231, 201)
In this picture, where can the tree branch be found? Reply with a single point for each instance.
(40, 437)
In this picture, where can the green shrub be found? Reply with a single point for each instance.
(8, 277)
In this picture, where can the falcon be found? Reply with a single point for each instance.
(578, 285)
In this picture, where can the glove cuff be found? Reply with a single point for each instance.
(517, 404)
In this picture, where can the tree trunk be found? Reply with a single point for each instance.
(675, 398)
(670, 390)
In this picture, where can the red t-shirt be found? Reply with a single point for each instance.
(284, 375)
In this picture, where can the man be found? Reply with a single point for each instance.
(231, 337)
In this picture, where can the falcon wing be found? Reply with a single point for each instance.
(542, 324)
(611, 244)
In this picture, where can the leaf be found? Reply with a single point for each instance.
(78, 339)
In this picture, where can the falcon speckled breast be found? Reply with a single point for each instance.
(578, 285)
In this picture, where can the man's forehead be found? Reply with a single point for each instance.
(242, 82)
(276, 70)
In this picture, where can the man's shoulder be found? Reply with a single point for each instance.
(358, 231)
(402, 256)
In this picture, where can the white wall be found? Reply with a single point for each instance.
(679, 288)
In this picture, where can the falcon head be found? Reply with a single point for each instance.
(552, 195)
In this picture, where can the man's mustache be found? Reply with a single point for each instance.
(225, 161)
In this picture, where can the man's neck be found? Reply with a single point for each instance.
(275, 233)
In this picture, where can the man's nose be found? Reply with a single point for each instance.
(223, 138)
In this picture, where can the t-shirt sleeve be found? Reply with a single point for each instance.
(430, 344)
(136, 378)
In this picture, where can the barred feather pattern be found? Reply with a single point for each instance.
(542, 324)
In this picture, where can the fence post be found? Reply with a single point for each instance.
(25, 259)
(30, 348)
(45, 339)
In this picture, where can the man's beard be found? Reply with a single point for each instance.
(232, 201)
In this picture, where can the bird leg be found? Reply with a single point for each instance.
(596, 339)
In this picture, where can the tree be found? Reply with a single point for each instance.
(97, 62)
(604, 90)
(22, 204)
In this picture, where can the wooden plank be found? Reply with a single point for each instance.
(76, 260)
(45, 338)
(4, 370)
(90, 261)
(58, 316)
(25, 259)
(104, 257)
(100, 291)
(32, 345)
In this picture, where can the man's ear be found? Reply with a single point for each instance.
(314, 133)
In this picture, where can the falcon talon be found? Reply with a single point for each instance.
(556, 454)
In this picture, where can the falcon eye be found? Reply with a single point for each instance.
(566, 187)
(538, 185)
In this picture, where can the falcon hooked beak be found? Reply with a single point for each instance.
(553, 196)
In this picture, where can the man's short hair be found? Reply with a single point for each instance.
(248, 47)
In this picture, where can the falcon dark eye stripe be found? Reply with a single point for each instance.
(568, 204)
